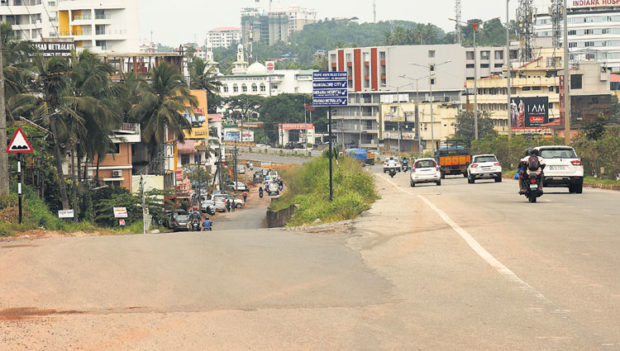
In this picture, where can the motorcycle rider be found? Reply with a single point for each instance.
(195, 217)
(526, 172)
(405, 163)
(206, 225)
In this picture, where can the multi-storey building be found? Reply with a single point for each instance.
(299, 17)
(30, 19)
(101, 25)
(392, 75)
(223, 37)
(491, 60)
(593, 31)
(589, 90)
(257, 26)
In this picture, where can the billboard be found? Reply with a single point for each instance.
(54, 48)
(593, 3)
(529, 112)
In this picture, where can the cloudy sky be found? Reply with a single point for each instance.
(173, 22)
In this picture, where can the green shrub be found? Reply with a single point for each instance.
(308, 187)
(8, 200)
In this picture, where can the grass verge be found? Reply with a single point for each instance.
(308, 187)
(592, 180)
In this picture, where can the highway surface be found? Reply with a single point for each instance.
(456, 267)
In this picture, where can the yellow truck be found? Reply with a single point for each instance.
(453, 160)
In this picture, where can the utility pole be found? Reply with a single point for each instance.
(475, 26)
(418, 130)
(4, 157)
(235, 166)
(144, 209)
(331, 156)
(508, 72)
(431, 81)
(567, 102)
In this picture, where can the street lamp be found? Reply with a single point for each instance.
(475, 27)
(417, 116)
(431, 75)
(508, 73)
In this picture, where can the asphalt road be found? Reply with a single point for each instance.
(455, 267)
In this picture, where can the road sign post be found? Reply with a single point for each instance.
(330, 89)
(19, 145)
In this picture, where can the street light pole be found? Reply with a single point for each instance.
(508, 73)
(431, 82)
(567, 102)
(475, 26)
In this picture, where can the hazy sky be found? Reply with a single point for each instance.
(177, 21)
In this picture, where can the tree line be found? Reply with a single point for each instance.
(76, 106)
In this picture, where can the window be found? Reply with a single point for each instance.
(588, 32)
(274, 86)
(101, 44)
(485, 55)
(484, 65)
(470, 65)
(184, 159)
(576, 81)
(244, 88)
(572, 32)
(235, 88)
(113, 183)
(262, 87)
(225, 88)
(368, 124)
(254, 88)
(431, 53)
(469, 55)
(100, 29)
(589, 43)
(499, 55)
(432, 81)
(572, 45)
(116, 149)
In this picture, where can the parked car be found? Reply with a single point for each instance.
(207, 206)
(484, 167)
(564, 168)
(220, 204)
(223, 197)
(425, 170)
(180, 222)
(240, 169)
(239, 186)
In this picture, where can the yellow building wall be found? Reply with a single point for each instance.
(202, 132)
(63, 22)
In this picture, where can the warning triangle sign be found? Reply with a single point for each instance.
(19, 144)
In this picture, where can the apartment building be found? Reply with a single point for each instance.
(393, 75)
(31, 19)
(116, 169)
(543, 77)
(223, 37)
(299, 17)
(593, 31)
(101, 25)
(490, 60)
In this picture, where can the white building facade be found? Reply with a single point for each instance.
(101, 25)
(299, 17)
(31, 19)
(593, 31)
(223, 37)
(257, 80)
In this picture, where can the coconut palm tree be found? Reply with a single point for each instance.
(205, 77)
(161, 106)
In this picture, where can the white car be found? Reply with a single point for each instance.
(223, 197)
(391, 163)
(272, 189)
(484, 167)
(563, 168)
(425, 170)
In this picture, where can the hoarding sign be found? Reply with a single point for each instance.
(51, 49)
(593, 3)
(330, 89)
(65, 214)
(120, 212)
(529, 112)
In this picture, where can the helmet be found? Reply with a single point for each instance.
(529, 151)
(535, 152)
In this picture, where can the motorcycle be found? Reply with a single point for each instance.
(392, 172)
(532, 188)
(260, 193)
(195, 226)
(405, 168)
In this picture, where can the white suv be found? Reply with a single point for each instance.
(425, 170)
(484, 166)
(564, 168)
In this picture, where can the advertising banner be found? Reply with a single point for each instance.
(593, 3)
(529, 112)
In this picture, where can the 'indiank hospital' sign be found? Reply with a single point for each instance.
(594, 3)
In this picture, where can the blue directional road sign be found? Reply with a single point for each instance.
(330, 89)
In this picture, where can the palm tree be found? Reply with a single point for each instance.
(205, 77)
(161, 107)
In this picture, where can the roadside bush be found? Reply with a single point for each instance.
(8, 200)
(308, 187)
(600, 157)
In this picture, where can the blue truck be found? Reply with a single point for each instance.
(362, 155)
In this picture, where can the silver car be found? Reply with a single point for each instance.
(425, 170)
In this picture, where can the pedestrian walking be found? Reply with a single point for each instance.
(245, 196)
(228, 205)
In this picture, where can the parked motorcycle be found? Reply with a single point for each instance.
(533, 188)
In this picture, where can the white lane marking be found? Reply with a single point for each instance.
(481, 251)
